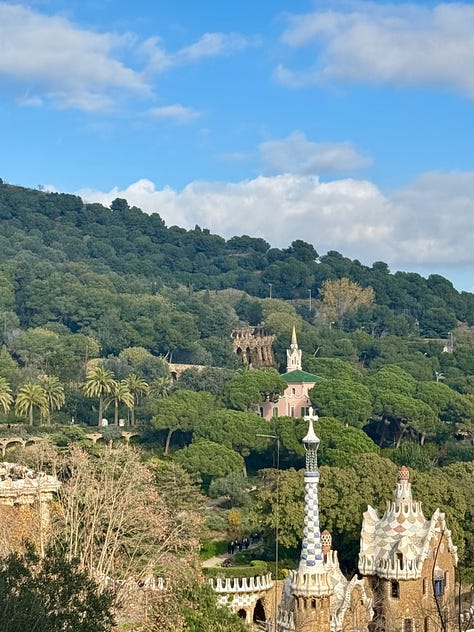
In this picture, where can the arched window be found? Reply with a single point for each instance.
(259, 612)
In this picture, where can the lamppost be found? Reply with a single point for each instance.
(277, 520)
(309, 300)
(270, 290)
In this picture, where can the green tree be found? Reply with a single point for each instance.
(399, 416)
(347, 400)
(119, 394)
(6, 397)
(51, 594)
(29, 398)
(54, 392)
(284, 509)
(331, 368)
(137, 387)
(234, 429)
(161, 387)
(99, 383)
(392, 378)
(180, 411)
(206, 460)
(248, 388)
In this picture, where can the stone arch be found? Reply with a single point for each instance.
(242, 613)
(14, 442)
(259, 611)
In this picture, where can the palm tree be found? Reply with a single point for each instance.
(99, 383)
(54, 391)
(29, 397)
(119, 393)
(6, 397)
(161, 387)
(137, 387)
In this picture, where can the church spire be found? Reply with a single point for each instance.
(293, 354)
(294, 341)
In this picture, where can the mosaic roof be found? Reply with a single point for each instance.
(396, 545)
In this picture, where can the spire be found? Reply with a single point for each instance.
(311, 551)
(294, 341)
(314, 575)
(293, 354)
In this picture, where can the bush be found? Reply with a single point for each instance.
(211, 549)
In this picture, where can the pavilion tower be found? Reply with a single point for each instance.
(317, 597)
(409, 562)
(312, 584)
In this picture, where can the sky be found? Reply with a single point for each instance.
(347, 124)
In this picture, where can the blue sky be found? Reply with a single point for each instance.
(347, 124)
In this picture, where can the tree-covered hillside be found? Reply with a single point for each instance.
(137, 253)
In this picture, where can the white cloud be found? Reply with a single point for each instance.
(429, 222)
(208, 46)
(51, 60)
(296, 154)
(176, 112)
(215, 45)
(49, 57)
(403, 44)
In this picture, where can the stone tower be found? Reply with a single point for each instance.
(317, 597)
(293, 354)
(409, 564)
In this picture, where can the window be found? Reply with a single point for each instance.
(426, 625)
(438, 587)
(400, 560)
(394, 589)
(407, 625)
(292, 411)
(293, 391)
(304, 411)
(275, 411)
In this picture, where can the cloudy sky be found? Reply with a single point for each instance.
(347, 124)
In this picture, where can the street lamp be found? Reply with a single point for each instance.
(277, 519)
(309, 300)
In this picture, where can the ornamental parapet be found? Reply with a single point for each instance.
(390, 568)
(312, 584)
(405, 508)
(242, 584)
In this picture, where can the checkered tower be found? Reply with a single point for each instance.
(313, 578)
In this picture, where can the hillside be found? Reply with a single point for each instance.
(59, 230)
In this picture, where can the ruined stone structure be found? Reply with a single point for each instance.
(253, 346)
(409, 564)
(295, 401)
(24, 506)
(317, 597)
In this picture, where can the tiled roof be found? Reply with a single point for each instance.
(396, 545)
(298, 376)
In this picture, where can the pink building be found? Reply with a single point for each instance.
(295, 401)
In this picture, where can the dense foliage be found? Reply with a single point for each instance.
(96, 302)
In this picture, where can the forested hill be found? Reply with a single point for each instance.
(50, 242)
